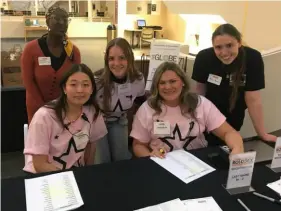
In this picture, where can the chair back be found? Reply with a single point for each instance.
(147, 33)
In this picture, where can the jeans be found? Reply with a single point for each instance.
(113, 146)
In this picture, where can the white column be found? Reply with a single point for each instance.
(36, 7)
(90, 10)
(69, 6)
(122, 10)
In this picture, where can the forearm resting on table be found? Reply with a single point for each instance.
(230, 136)
(140, 149)
(90, 153)
(41, 164)
(254, 104)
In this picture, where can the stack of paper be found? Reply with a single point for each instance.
(184, 165)
(276, 186)
(172, 205)
(201, 204)
(53, 192)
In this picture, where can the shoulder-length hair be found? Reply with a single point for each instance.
(188, 101)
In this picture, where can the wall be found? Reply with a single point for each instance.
(175, 26)
(263, 24)
(251, 18)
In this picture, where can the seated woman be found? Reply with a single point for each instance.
(173, 118)
(63, 133)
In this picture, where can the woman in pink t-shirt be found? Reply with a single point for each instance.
(173, 118)
(63, 133)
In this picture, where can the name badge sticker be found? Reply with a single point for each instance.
(124, 88)
(44, 61)
(214, 79)
(161, 128)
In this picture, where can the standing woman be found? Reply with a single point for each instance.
(231, 76)
(119, 85)
(46, 59)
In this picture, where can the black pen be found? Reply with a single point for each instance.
(268, 198)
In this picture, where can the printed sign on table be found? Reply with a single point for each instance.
(241, 170)
(161, 52)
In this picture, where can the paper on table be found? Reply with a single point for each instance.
(184, 165)
(201, 204)
(276, 186)
(173, 205)
(53, 192)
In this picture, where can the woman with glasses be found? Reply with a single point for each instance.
(231, 76)
(46, 59)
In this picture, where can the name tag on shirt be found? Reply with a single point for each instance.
(81, 140)
(44, 61)
(124, 88)
(214, 79)
(161, 128)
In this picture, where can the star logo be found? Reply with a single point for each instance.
(130, 97)
(177, 133)
(71, 145)
(119, 105)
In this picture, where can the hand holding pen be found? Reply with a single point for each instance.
(160, 153)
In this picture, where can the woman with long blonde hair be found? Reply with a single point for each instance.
(173, 118)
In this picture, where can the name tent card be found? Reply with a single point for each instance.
(276, 160)
(240, 173)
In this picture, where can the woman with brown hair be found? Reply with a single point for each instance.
(46, 59)
(119, 85)
(231, 76)
(173, 118)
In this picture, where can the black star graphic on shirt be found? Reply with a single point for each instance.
(176, 130)
(118, 104)
(70, 145)
(130, 97)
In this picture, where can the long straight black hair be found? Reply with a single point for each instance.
(228, 29)
(60, 104)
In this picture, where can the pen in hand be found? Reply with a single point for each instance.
(267, 198)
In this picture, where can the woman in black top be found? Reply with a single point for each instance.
(231, 76)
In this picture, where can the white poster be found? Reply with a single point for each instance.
(161, 52)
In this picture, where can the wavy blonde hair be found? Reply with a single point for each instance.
(188, 101)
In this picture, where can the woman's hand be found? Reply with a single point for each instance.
(160, 153)
(269, 137)
(237, 150)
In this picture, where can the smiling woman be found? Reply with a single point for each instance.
(173, 118)
(44, 61)
(120, 85)
(64, 132)
(231, 76)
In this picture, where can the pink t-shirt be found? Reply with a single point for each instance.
(122, 98)
(185, 132)
(65, 147)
